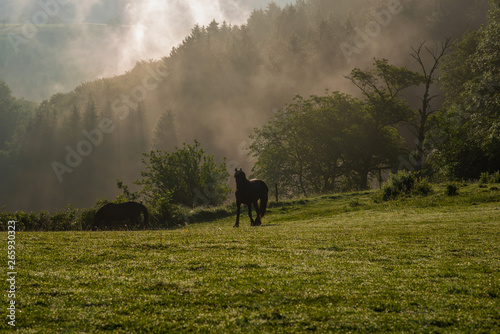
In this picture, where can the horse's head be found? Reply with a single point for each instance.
(238, 173)
(239, 176)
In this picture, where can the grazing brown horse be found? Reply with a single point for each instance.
(249, 192)
(111, 214)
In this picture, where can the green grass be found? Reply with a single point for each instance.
(339, 263)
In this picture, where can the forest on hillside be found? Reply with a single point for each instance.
(224, 83)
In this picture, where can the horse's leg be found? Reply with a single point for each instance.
(250, 214)
(238, 205)
(257, 220)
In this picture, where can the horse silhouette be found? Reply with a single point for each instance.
(250, 192)
(112, 215)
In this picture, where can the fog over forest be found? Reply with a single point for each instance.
(99, 38)
(131, 76)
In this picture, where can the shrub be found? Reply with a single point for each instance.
(163, 213)
(4, 218)
(495, 177)
(423, 188)
(398, 184)
(26, 221)
(188, 174)
(489, 178)
(65, 220)
(86, 219)
(451, 189)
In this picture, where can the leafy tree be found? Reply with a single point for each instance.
(282, 147)
(316, 144)
(370, 149)
(473, 108)
(188, 176)
(382, 87)
(384, 110)
(126, 194)
(486, 88)
(456, 67)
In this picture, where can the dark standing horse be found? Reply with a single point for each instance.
(249, 192)
(112, 213)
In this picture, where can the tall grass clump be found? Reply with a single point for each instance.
(423, 188)
(401, 183)
(405, 183)
(489, 178)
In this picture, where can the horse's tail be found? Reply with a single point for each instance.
(263, 202)
(146, 216)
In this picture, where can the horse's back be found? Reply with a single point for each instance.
(257, 189)
(107, 209)
(111, 213)
(119, 211)
(259, 184)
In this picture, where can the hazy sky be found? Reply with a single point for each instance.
(159, 24)
(153, 27)
(99, 11)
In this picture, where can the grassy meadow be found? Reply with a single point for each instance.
(339, 263)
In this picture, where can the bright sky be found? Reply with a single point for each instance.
(155, 26)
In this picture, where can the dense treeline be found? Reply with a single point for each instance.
(222, 81)
(470, 124)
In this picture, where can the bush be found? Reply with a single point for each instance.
(86, 219)
(485, 178)
(489, 178)
(163, 213)
(399, 184)
(65, 220)
(423, 188)
(495, 178)
(188, 175)
(25, 221)
(41, 221)
(451, 189)
(404, 183)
